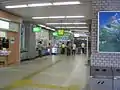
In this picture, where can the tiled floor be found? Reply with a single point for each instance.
(50, 72)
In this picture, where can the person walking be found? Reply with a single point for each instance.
(49, 48)
(68, 49)
(63, 48)
(83, 48)
(73, 49)
(39, 48)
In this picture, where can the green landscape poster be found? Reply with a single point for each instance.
(109, 31)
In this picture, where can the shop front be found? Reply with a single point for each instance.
(34, 41)
(43, 37)
(9, 39)
(59, 38)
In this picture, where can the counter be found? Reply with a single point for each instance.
(4, 57)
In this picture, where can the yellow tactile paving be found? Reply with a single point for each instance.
(25, 84)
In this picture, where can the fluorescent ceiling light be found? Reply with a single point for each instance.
(71, 27)
(53, 29)
(40, 4)
(50, 28)
(81, 30)
(45, 4)
(46, 27)
(50, 17)
(75, 16)
(43, 26)
(64, 23)
(67, 3)
(16, 6)
(56, 17)
(39, 17)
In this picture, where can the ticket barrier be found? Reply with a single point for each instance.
(101, 78)
(116, 72)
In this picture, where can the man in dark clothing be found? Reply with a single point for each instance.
(63, 48)
(68, 49)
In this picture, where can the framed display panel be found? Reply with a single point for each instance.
(109, 31)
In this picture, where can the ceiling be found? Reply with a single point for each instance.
(83, 9)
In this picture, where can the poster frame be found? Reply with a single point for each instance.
(98, 49)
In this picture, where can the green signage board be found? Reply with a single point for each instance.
(55, 34)
(60, 32)
(37, 29)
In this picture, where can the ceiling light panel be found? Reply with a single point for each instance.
(50, 17)
(71, 27)
(65, 23)
(75, 16)
(39, 5)
(43, 26)
(45, 4)
(53, 29)
(48, 28)
(57, 17)
(66, 3)
(81, 30)
(16, 6)
(39, 17)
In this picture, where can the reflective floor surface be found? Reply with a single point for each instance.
(48, 73)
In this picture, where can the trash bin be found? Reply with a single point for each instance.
(101, 78)
(116, 72)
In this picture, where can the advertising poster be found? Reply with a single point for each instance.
(109, 31)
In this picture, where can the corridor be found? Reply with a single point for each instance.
(47, 73)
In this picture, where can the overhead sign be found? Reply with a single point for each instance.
(37, 29)
(4, 24)
(14, 27)
(55, 33)
(76, 35)
(60, 32)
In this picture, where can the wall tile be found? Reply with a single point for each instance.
(102, 59)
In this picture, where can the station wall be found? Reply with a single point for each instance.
(103, 59)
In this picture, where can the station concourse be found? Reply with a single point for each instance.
(59, 44)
